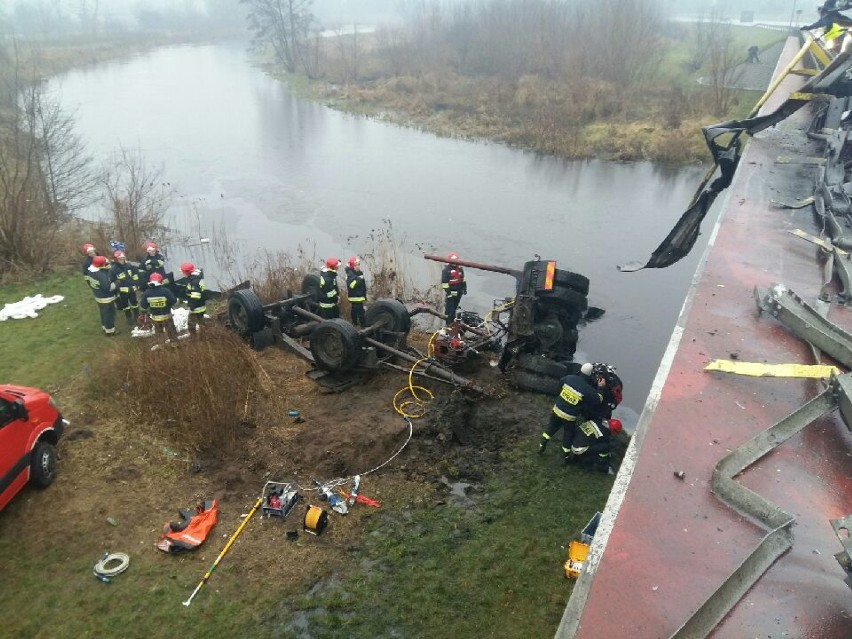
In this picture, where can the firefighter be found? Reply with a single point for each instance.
(157, 301)
(193, 291)
(356, 290)
(580, 399)
(126, 278)
(98, 278)
(452, 281)
(329, 295)
(835, 26)
(90, 252)
(154, 262)
(591, 444)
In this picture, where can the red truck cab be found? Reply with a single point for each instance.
(30, 428)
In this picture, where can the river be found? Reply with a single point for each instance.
(274, 172)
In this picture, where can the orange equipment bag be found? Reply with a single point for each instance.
(191, 531)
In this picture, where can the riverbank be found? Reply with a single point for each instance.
(472, 534)
(571, 116)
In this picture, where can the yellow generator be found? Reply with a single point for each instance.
(578, 549)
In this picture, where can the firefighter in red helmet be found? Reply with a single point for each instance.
(591, 445)
(452, 281)
(103, 287)
(329, 295)
(89, 252)
(356, 291)
(192, 289)
(126, 278)
(154, 262)
(579, 399)
(157, 301)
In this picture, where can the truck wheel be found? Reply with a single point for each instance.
(43, 465)
(548, 330)
(311, 286)
(536, 383)
(392, 312)
(335, 345)
(541, 365)
(245, 312)
(565, 297)
(572, 280)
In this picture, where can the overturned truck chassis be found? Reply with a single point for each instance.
(336, 347)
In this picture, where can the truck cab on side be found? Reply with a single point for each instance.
(30, 428)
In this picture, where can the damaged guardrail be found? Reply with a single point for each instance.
(805, 322)
(802, 320)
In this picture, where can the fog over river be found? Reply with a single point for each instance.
(274, 172)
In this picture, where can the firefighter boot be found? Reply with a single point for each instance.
(542, 445)
(569, 459)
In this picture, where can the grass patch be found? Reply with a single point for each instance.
(494, 570)
(64, 341)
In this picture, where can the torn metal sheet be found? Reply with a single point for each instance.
(724, 142)
(757, 369)
(793, 205)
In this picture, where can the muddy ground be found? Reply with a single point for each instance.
(113, 467)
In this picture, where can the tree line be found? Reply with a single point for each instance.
(47, 178)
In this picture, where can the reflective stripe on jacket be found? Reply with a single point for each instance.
(356, 286)
(102, 285)
(328, 288)
(158, 301)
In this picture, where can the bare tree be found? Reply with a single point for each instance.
(138, 199)
(719, 56)
(286, 27)
(45, 175)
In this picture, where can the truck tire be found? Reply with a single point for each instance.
(566, 298)
(573, 280)
(536, 383)
(43, 465)
(311, 286)
(548, 330)
(392, 312)
(335, 345)
(541, 365)
(245, 312)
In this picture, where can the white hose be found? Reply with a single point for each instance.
(103, 573)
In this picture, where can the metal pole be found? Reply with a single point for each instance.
(224, 550)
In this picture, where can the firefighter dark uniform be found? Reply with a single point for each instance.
(157, 301)
(329, 295)
(452, 281)
(579, 398)
(192, 289)
(591, 444)
(126, 278)
(98, 278)
(356, 291)
(154, 262)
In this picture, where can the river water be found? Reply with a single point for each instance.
(273, 172)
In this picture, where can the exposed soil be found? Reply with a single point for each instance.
(112, 466)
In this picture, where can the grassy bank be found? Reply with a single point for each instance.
(62, 343)
(425, 564)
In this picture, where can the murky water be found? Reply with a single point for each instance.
(275, 172)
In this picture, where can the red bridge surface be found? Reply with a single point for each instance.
(666, 544)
